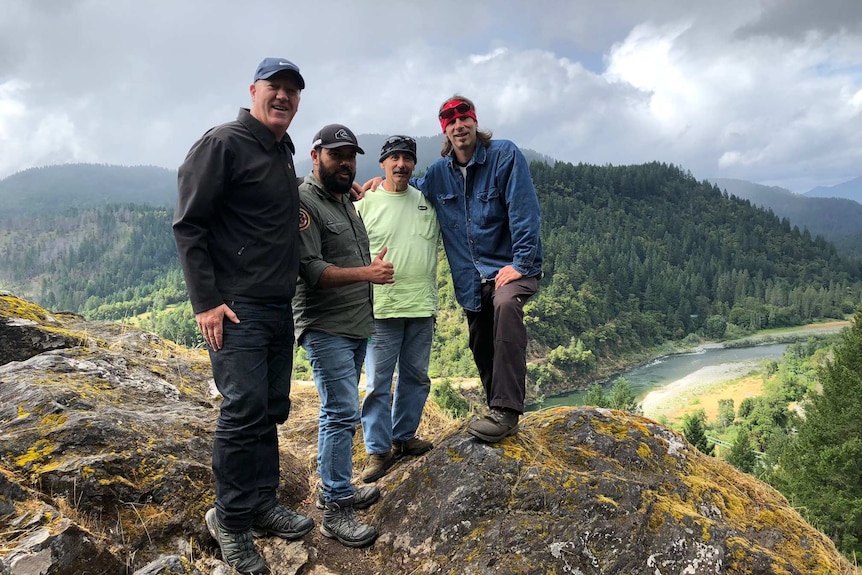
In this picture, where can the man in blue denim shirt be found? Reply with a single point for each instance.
(489, 218)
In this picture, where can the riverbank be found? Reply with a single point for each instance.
(705, 387)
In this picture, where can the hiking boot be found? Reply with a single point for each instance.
(363, 498)
(237, 549)
(413, 446)
(281, 522)
(340, 523)
(498, 423)
(377, 466)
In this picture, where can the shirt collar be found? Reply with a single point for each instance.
(480, 154)
(261, 133)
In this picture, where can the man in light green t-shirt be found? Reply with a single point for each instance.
(400, 219)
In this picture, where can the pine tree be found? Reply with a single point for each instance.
(694, 429)
(622, 397)
(741, 454)
(595, 396)
(726, 413)
(821, 468)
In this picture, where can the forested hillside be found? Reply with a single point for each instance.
(838, 219)
(635, 256)
(53, 189)
(109, 262)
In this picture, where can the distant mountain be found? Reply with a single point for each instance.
(838, 220)
(851, 190)
(427, 151)
(53, 189)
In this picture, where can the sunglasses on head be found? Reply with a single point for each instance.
(400, 140)
(459, 110)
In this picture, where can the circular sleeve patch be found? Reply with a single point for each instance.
(304, 220)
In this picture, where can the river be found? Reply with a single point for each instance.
(705, 366)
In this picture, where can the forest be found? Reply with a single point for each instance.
(636, 257)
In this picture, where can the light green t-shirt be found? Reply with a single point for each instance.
(407, 225)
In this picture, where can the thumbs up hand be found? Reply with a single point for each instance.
(380, 271)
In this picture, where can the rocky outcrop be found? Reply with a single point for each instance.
(105, 439)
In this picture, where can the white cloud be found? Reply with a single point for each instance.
(755, 89)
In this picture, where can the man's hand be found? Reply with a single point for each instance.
(210, 323)
(371, 184)
(506, 275)
(381, 272)
(356, 192)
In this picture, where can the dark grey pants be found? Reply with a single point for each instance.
(498, 340)
(252, 371)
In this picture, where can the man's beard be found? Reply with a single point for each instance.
(331, 182)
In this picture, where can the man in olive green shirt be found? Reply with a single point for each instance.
(399, 218)
(332, 314)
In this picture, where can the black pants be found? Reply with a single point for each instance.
(252, 371)
(498, 340)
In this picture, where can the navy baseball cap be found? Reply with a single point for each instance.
(335, 136)
(271, 66)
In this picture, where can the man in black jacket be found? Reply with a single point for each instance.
(236, 228)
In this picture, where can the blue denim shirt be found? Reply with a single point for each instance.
(491, 222)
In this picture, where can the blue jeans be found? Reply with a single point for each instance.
(252, 372)
(407, 342)
(336, 363)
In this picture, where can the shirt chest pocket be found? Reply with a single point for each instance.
(450, 211)
(425, 225)
(490, 205)
(337, 241)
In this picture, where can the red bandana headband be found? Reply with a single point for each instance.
(453, 110)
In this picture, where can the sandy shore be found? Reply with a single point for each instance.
(659, 401)
(677, 393)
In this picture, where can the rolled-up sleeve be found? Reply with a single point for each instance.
(311, 262)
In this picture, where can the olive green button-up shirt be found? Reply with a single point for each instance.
(330, 233)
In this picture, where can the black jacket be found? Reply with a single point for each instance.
(237, 219)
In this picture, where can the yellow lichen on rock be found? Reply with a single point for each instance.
(40, 450)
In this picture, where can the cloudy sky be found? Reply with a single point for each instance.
(763, 90)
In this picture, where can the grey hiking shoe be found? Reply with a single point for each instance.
(363, 498)
(340, 523)
(377, 466)
(281, 522)
(497, 424)
(413, 446)
(237, 549)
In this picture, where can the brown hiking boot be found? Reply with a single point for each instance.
(377, 466)
(497, 424)
(413, 446)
